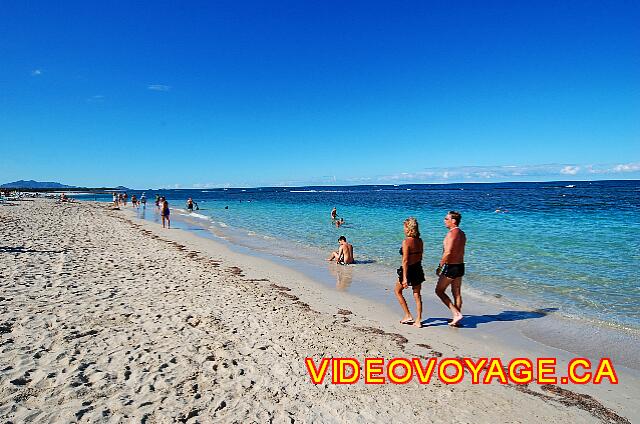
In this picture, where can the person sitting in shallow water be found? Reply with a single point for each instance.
(344, 254)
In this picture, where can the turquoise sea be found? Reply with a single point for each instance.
(574, 246)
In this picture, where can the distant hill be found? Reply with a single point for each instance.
(31, 184)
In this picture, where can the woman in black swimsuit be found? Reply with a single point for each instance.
(411, 273)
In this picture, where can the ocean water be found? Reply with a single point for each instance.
(574, 246)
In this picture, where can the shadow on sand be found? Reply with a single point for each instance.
(472, 321)
(19, 249)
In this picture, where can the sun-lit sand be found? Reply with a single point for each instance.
(104, 317)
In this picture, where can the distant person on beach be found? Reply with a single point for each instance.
(120, 199)
(190, 204)
(339, 222)
(157, 201)
(411, 273)
(334, 214)
(134, 201)
(143, 200)
(165, 212)
(125, 197)
(344, 254)
(451, 267)
(115, 199)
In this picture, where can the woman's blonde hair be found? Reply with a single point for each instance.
(411, 225)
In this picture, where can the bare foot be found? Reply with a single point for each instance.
(417, 324)
(454, 322)
(407, 320)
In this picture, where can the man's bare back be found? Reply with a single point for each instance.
(344, 255)
(347, 250)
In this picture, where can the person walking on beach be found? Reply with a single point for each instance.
(165, 212)
(411, 272)
(451, 267)
(344, 254)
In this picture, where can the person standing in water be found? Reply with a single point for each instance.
(451, 267)
(164, 211)
(334, 214)
(411, 273)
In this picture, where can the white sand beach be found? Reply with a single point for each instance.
(108, 318)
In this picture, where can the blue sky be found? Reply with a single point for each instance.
(232, 93)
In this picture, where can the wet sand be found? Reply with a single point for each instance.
(104, 317)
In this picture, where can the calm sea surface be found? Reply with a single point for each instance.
(570, 245)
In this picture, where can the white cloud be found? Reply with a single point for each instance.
(486, 175)
(467, 174)
(158, 87)
(172, 186)
(627, 167)
(545, 172)
(96, 99)
(570, 170)
(204, 186)
(36, 72)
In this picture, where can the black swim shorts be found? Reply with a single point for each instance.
(453, 271)
(415, 274)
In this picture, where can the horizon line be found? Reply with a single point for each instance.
(392, 185)
(69, 188)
